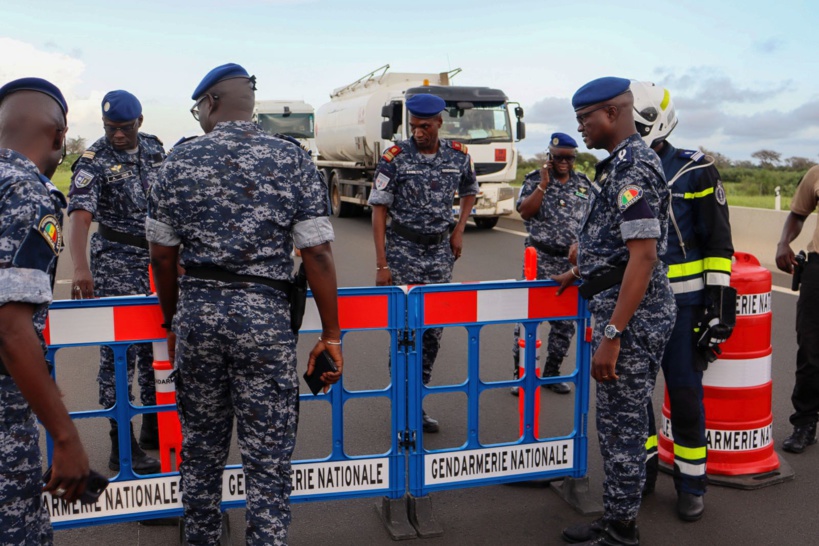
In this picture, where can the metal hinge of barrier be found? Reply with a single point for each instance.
(406, 339)
(406, 440)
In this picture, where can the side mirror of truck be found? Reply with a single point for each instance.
(386, 111)
(521, 129)
(386, 130)
(519, 112)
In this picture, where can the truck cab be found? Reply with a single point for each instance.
(294, 118)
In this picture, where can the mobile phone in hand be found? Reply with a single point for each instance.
(324, 363)
(94, 487)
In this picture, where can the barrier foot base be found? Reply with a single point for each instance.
(747, 482)
(575, 491)
(161, 522)
(422, 517)
(224, 539)
(394, 515)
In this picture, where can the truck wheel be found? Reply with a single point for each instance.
(340, 208)
(486, 223)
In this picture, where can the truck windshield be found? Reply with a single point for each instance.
(294, 125)
(482, 123)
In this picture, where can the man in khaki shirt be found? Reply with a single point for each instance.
(805, 397)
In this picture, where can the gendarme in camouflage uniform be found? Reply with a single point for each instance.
(418, 192)
(237, 199)
(629, 200)
(113, 186)
(552, 231)
(30, 239)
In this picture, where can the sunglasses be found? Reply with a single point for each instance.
(111, 130)
(564, 158)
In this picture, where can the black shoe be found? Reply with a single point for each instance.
(430, 424)
(514, 391)
(582, 532)
(149, 433)
(802, 437)
(615, 533)
(559, 388)
(689, 506)
(140, 462)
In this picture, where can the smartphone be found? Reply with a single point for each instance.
(324, 363)
(94, 487)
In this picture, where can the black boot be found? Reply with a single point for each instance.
(689, 506)
(140, 462)
(582, 532)
(552, 369)
(616, 533)
(802, 437)
(149, 434)
(652, 466)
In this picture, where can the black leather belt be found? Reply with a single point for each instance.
(602, 282)
(218, 274)
(559, 251)
(420, 238)
(122, 238)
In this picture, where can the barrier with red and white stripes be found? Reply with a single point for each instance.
(738, 389)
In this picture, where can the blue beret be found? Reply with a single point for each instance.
(599, 90)
(35, 84)
(225, 72)
(425, 105)
(120, 105)
(562, 140)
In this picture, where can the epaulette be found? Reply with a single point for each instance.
(156, 138)
(694, 155)
(390, 154)
(532, 174)
(181, 141)
(624, 157)
(458, 146)
(88, 154)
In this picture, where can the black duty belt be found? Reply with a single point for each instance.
(122, 238)
(559, 251)
(219, 274)
(602, 282)
(420, 238)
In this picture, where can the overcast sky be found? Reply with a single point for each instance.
(743, 77)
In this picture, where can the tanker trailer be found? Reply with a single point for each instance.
(365, 118)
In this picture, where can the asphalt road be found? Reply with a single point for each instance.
(784, 513)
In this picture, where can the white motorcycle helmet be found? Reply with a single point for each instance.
(654, 112)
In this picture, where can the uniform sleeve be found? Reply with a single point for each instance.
(384, 182)
(86, 183)
(529, 182)
(469, 181)
(637, 201)
(311, 223)
(807, 193)
(159, 222)
(30, 240)
(713, 228)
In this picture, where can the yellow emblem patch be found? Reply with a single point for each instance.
(88, 154)
(116, 168)
(390, 154)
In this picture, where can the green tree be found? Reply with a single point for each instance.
(767, 158)
(75, 145)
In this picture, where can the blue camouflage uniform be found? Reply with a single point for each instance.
(30, 240)
(419, 192)
(552, 231)
(113, 186)
(237, 199)
(629, 200)
(699, 258)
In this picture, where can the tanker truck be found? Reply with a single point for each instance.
(294, 118)
(365, 118)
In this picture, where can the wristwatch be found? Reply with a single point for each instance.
(611, 332)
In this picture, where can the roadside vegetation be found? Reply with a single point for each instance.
(747, 183)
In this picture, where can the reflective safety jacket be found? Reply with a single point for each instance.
(699, 237)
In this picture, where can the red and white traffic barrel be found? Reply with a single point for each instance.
(170, 429)
(737, 386)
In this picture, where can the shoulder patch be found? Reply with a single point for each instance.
(628, 196)
(390, 154)
(88, 154)
(458, 146)
(719, 193)
(49, 228)
(82, 178)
